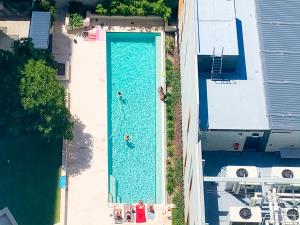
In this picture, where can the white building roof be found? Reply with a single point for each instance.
(217, 27)
(240, 103)
(39, 29)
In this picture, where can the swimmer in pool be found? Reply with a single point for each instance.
(120, 95)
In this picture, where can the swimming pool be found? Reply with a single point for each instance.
(133, 69)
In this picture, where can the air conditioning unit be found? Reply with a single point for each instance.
(244, 215)
(290, 216)
(288, 173)
(241, 172)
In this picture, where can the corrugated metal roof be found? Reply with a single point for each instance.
(279, 28)
(39, 29)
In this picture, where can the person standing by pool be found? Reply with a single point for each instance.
(162, 95)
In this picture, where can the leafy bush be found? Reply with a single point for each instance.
(170, 179)
(169, 101)
(168, 162)
(170, 133)
(170, 171)
(170, 116)
(100, 9)
(77, 7)
(178, 212)
(169, 45)
(169, 142)
(169, 72)
(176, 87)
(46, 6)
(178, 171)
(170, 124)
(171, 185)
(76, 21)
(170, 112)
(170, 150)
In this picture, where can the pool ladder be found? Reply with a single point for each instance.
(112, 194)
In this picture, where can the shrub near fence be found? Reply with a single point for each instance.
(174, 149)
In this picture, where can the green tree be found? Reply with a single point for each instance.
(100, 9)
(31, 97)
(159, 8)
(11, 114)
(23, 50)
(134, 8)
(43, 99)
(173, 4)
(77, 7)
(47, 6)
(169, 44)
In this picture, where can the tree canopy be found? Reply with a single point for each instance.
(32, 99)
(134, 8)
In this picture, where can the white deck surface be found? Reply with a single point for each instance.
(87, 167)
(240, 104)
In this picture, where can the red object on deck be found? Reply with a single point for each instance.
(92, 36)
(140, 214)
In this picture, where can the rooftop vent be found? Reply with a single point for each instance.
(286, 173)
(245, 213)
(242, 172)
(292, 214)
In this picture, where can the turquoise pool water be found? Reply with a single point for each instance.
(133, 69)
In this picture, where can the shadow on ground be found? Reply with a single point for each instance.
(79, 152)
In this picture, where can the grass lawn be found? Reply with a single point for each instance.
(29, 174)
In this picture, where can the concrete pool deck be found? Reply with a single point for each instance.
(87, 162)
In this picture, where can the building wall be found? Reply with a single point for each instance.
(194, 212)
(283, 139)
(225, 140)
(181, 7)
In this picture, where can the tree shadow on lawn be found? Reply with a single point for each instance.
(80, 151)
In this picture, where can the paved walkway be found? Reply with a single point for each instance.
(61, 41)
(87, 162)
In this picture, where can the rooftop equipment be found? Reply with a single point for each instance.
(287, 173)
(244, 215)
(241, 171)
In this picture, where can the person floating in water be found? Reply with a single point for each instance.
(120, 95)
(126, 138)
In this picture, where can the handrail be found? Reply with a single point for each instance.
(110, 197)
